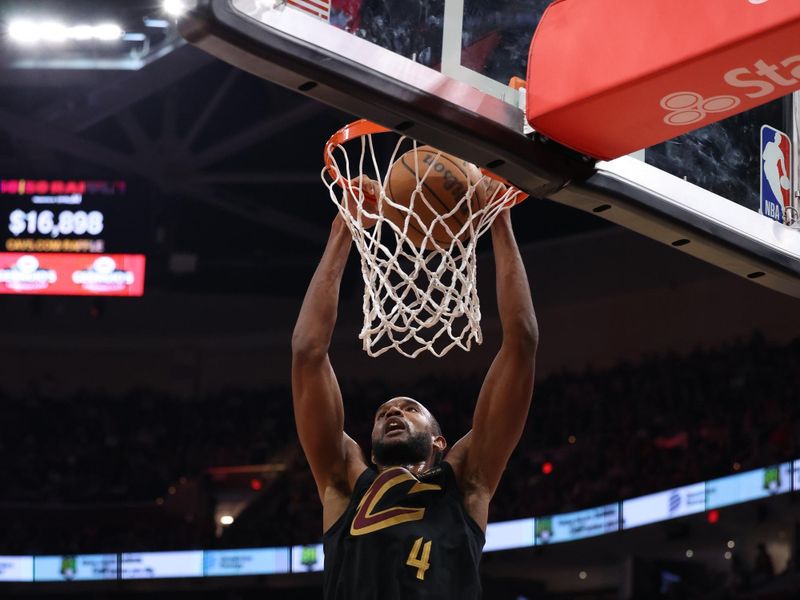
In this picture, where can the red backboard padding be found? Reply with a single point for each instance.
(609, 77)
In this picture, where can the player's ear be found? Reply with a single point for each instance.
(440, 443)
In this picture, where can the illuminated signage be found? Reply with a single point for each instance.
(53, 215)
(308, 559)
(662, 506)
(156, 565)
(577, 525)
(748, 486)
(509, 534)
(75, 567)
(16, 568)
(72, 237)
(72, 274)
(250, 561)
(57, 187)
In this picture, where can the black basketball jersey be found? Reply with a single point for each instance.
(404, 539)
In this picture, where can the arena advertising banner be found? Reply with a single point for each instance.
(521, 533)
(249, 561)
(46, 215)
(577, 525)
(162, 565)
(75, 567)
(72, 237)
(72, 274)
(16, 568)
(752, 485)
(308, 559)
(680, 502)
(506, 535)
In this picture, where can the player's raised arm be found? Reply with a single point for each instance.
(319, 413)
(505, 397)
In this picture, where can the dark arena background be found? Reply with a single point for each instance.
(146, 429)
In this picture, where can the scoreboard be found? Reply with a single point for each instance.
(71, 237)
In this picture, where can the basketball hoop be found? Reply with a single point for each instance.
(419, 295)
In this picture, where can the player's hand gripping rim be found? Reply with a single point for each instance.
(370, 190)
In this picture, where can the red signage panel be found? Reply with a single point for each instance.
(63, 274)
(609, 77)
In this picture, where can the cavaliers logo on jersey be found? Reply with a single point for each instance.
(368, 519)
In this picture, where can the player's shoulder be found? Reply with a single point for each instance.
(342, 476)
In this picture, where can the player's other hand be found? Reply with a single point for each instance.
(370, 189)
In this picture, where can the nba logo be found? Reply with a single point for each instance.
(776, 173)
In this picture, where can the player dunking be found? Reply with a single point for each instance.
(413, 528)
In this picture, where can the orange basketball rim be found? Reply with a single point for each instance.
(363, 127)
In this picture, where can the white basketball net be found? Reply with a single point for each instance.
(415, 300)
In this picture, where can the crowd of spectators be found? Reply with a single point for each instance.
(637, 428)
(92, 448)
(666, 421)
(604, 435)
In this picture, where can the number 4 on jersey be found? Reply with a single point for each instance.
(421, 563)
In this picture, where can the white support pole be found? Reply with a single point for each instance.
(794, 210)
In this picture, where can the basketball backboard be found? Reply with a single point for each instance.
(440, 71)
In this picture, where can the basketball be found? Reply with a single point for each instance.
(785, 182)
(444, 188)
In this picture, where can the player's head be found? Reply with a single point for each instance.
(404, 433)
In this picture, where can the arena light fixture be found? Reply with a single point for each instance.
(23, 32)
(82, 33)
(54, 32)
(226, 520)
(107, 32)
(177, 7)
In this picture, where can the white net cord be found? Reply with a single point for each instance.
(416, 299)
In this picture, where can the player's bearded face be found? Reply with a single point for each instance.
(410, 449)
